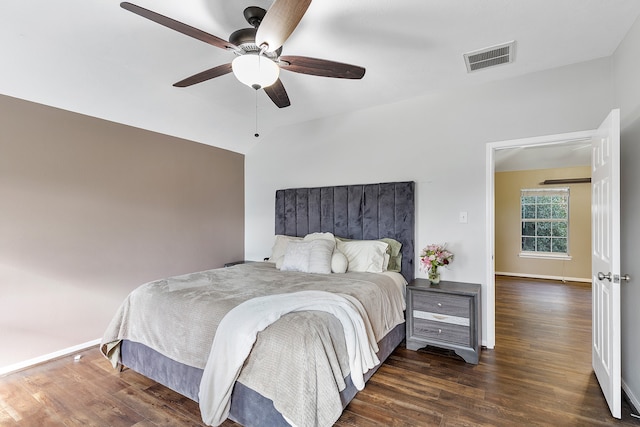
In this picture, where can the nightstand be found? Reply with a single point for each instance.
(446, 315)
(231, 264)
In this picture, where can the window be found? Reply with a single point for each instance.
(545, 221)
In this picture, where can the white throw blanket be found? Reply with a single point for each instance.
(238, 330)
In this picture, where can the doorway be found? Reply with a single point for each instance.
(605, 254)
(491, 155)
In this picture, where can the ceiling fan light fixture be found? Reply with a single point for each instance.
(255, 71)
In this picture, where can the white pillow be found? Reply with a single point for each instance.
(320, 256)
(364, 255)
(339, 262)
(316, 236)
(296, 256)
(280, 247)
(309, 257)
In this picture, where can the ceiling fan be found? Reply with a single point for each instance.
(258, 50)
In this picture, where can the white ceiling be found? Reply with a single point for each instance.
(95, 58)
(560, 155)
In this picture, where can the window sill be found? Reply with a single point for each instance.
(561, 257)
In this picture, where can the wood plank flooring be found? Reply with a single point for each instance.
(539, 374)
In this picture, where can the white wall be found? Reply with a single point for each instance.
(627, 90)
(437, 140)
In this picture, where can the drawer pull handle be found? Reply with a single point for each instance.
(439, 317)
(439, 304)
(439, 331)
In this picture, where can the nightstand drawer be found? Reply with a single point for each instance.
(451, 305)
(444, 318)
(444, 332)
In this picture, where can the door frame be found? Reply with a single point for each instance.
(491, 148)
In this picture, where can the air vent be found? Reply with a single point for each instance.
(490, 56)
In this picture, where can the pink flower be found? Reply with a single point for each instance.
(434, 256)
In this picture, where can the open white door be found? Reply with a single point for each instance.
(605, 264)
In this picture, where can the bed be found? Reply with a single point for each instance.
(268, 385)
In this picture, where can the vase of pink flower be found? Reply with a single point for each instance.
(432, 257)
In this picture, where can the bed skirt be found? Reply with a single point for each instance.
(248, 407)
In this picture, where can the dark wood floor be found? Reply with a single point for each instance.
(538, 374)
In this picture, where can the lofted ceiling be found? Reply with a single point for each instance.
(95, 58)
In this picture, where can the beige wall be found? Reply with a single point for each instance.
(507, 216)
(90, 209)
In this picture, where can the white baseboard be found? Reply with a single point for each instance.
(542, 276)
(4, 370)
(633, 399)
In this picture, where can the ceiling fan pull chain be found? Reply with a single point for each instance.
(256, 134)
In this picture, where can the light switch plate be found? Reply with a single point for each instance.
(463, 218)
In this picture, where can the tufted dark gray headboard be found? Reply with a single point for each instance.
(368, 212)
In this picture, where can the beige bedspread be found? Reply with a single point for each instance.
(297, 362)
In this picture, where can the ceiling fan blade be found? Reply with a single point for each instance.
(321, 67)
(278, 94)
(178, 26)
(281, 19)
(211, 73)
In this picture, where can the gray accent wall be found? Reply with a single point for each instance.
(90, 209)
